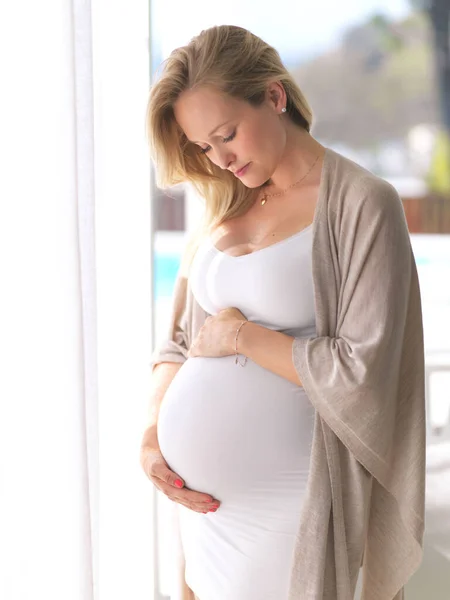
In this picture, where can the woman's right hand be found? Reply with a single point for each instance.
(157, 470)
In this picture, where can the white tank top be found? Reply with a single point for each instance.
(243, 434)
(272, 287)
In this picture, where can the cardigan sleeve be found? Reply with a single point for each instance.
(364, 375)
(352, 376)
(174, 345)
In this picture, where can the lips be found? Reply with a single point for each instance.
(240, 172)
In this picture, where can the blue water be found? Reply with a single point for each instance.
(167, 265)
(166, 268)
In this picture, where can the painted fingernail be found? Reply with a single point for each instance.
(178, 483)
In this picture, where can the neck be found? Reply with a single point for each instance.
(301, 150)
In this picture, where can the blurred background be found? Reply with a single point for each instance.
(377, 76)
(89, 251)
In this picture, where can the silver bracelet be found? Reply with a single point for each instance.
(235, 346)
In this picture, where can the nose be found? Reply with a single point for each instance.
(224, 159)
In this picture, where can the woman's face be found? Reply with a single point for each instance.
(233, 134)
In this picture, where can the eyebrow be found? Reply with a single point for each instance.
(213, 131)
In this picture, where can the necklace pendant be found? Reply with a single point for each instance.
(263, 201)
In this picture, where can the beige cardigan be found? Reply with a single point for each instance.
(364, 374)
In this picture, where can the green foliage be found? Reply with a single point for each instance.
(389, 38)
(438, 178)
(365, 91)
(419, 4)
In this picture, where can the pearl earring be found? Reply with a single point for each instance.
(283, 109)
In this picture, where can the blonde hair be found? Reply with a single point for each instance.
(234, 61)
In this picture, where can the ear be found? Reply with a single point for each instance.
(276, 96)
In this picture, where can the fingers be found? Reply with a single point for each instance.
(197, 501)
(164, 473)
(205, 507)
(160, 470)
(168, 483)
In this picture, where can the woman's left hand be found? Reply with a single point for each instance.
(217, 335)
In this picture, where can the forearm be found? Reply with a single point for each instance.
(161, 378)
(269, 349)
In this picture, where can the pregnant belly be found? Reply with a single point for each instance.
(235, 431)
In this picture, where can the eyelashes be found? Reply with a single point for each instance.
(231, 137)
(225, 140)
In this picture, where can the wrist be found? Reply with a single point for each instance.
(235, 328)
(150, 437)
(243, 338)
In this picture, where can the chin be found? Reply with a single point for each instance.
(254, 182)
(250, 185)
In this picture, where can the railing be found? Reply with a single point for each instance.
(437, 362)
(427, 214)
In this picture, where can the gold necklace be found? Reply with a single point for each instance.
(264, 198)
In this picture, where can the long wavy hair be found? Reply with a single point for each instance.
(236, 62)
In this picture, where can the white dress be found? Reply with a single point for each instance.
(243, 434)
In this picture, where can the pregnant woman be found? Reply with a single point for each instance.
(243, 434)
(288, 411)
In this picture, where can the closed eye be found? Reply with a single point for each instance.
(230, 137)
(225, 140)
